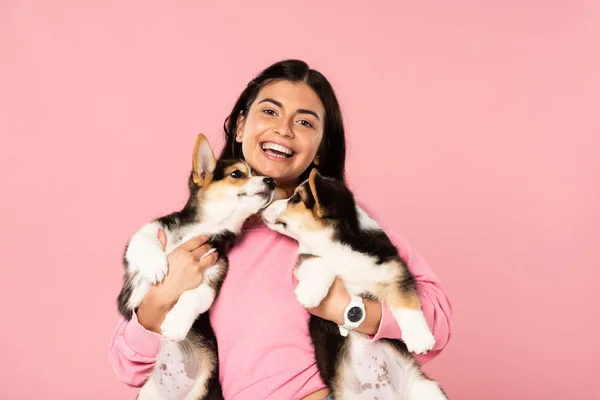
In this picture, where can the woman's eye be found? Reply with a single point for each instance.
(237, 174)
(269, 112)
(305, 123)
(295, 199)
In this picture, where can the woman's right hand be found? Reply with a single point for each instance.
(186, 272)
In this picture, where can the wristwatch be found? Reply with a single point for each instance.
(354, 315)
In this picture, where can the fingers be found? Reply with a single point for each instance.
(200, 251)
(209, 259)
(337, 287)
(162, 237)
(194, 243)
(208, 253)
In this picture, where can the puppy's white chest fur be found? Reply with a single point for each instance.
(358, 271)
(182, 234)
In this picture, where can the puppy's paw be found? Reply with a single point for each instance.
(415, 331)
(152, 265)
(310, 296)
(175, 327)
(418, 341)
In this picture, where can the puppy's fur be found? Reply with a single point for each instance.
(223, 194)
(337, 238)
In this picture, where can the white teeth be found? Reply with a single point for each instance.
(277, 147)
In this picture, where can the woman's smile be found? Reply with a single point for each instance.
(276, 152)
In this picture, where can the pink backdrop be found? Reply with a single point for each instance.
(474, 129)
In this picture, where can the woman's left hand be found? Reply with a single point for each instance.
(332, 308)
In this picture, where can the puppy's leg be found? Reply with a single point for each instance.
(348, 383)
(207, 371)
(192, 303)
(180, 318)
(315, 278)
(415, 332)
(425, 389)
(149, 391)
(394, 374)
(347, 394)
(145, 255)
(202, 361)
(138, 292)
(404, 303)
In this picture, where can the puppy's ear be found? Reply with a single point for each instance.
(318, 189)
(203, 161)
(332, 198)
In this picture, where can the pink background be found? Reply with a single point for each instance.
(473, 128)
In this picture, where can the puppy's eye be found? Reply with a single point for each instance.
(237, 174)
(295, 199)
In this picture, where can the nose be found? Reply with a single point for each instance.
(270, 183)
(283, 128)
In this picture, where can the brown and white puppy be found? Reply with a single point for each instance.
(222, 195)
(337, 238)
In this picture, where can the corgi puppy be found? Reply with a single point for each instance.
(222, 195)
(337, 238)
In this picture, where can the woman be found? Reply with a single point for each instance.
(265, 350)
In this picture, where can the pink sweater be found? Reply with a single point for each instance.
(265, 350)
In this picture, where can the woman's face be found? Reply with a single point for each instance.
(282, 131)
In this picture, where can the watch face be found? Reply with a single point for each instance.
(355, 314)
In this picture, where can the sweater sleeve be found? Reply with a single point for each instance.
(434, 301)
(133, 351)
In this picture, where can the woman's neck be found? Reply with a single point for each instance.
(288, 188)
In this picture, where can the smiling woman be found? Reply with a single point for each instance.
(295, 107)
(282, 131)
(286, 122)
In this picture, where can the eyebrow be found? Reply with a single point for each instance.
(280, 105)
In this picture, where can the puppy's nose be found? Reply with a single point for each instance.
(270, 182)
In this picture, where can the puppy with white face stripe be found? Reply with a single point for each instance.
(223, 195)
(337, 238)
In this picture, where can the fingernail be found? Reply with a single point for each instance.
(209, 252)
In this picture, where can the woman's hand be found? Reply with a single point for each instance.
(333, 305)
(186, 271)
(332, 308)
